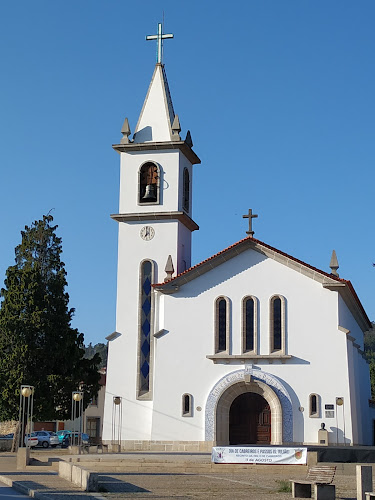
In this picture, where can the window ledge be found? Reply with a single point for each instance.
(248, 357)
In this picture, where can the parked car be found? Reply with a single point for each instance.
(61, 435)
(66, 437)
(47, 438)
(7, 436)
(31, 440)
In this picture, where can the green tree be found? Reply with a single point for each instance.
(370, 355)
(101, 349)
(38, 346)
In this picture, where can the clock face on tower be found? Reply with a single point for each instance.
(147, 233)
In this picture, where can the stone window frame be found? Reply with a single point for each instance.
(283, 324)
(157, 202)
(189, 411)
(145, 395)
(317, 412)
(255, 325)
(227, 325)
(186, 190)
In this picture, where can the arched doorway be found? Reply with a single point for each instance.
(231, 393)
(249, 420)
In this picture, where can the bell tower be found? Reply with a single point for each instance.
(156, 181)
(154, 243)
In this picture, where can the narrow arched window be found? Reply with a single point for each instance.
(314, 406)
(222, 324)
(187, 405)
(249, 324)
(149, 176)
(186, 191)
(277, 324)
(145, 322)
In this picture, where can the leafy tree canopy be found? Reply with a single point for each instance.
(370, 355)
(101, 349)
(38, 346)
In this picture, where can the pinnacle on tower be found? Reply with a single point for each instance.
(125, 132)
(189, 140)
(334, 265)
(176, 129)
(169, 269)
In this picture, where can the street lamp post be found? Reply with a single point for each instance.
(77, 411)
(25, 420)
(25, 425)
(116, 423)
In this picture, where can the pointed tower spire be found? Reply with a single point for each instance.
(157, 115)
(169, 269)
(334, 265)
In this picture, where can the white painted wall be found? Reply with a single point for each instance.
(171, 238)
(171, 163)
(319, 349)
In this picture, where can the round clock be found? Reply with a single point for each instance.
(147, 233)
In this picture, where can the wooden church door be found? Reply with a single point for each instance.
(249, 420)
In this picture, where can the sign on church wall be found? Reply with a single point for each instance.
(259, 455)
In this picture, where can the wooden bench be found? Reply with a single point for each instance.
(321, 477)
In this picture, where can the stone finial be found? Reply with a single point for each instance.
(125, 132)
(169, 269)
(334, 265)
(176, 129)
(189, 140)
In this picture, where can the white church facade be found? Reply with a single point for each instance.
(251, 346)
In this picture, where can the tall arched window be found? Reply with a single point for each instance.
(145, 322)
(149, 177)
(186, 191)
(249, 324)
(277, 324)
(222, 324)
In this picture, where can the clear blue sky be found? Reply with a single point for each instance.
(279, 98)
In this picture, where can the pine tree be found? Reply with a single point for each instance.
(38, 346)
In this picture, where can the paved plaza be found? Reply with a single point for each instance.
(180, 477)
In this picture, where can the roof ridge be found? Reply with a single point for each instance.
(249, 238)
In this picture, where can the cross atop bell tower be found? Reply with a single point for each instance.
(159, 37)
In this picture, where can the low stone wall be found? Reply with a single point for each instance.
(83, 478)
(6, 444)
(187, 446)
(8, 427)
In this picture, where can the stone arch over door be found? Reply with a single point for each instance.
(239, 382)
(226, 400)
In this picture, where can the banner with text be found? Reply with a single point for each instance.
(258, 455)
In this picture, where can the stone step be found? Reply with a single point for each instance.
(178, 467)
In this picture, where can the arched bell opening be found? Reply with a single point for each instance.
(149, 183)
(248, 413)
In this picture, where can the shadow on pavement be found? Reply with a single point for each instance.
(113, 485)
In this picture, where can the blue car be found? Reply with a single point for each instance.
(66, 437)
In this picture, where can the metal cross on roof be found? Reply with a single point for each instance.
(250, 216)
(159, 46)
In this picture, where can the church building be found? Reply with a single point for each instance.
(250, 346)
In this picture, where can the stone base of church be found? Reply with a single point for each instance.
(182, 446)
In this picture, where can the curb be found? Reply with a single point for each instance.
(43, 496)
(24, 489)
